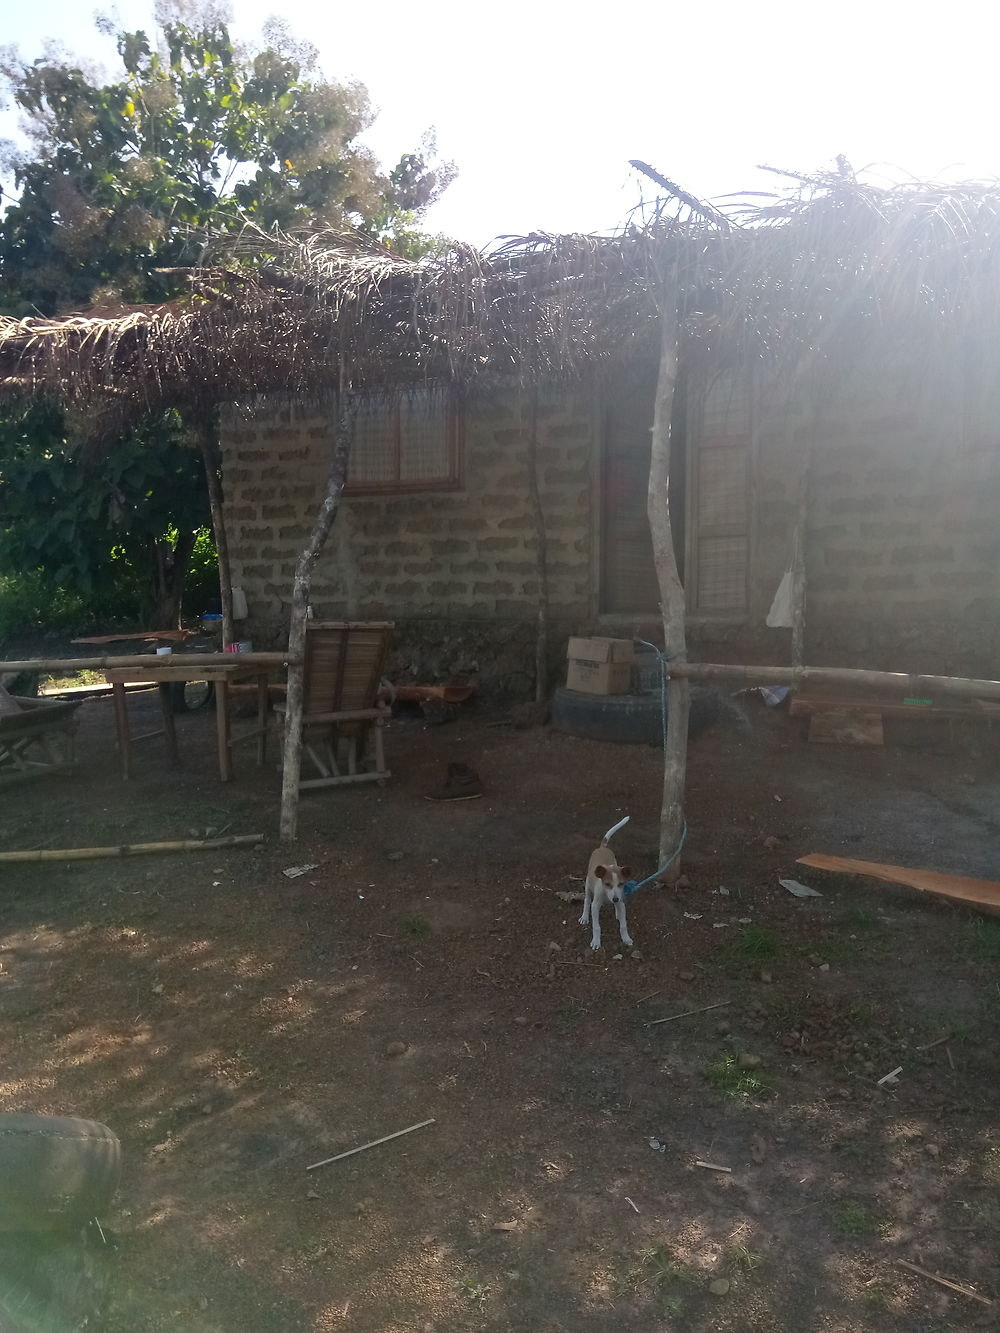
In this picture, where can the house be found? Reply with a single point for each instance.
(896, 468)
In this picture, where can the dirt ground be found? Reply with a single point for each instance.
(233, 1026)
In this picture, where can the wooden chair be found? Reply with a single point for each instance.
(36, 737)
(344, 665)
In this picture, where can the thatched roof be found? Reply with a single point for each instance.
(272, 314)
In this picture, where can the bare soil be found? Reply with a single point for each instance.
(233, 1026)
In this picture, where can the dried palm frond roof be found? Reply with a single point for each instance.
(275, 314)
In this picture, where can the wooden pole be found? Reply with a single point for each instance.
(541, 557)
(292, 761)
(143, 660)
(916, 686)
(799, 555)
(208, 439)
(134, 849)
(672, 601)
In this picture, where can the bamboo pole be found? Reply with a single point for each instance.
(386, 1138)
(292, 759)
(541, 557)
(134, 849)
(146, 660)
(207, 438)
(916, 685)
(672, 601)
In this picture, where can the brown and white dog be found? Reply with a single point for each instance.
(606, 881)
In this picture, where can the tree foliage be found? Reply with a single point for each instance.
(121, 181)
(194, 134)
(121, 522)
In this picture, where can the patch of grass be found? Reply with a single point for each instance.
(730, 1079)
(474, 1292)
(856, 1220)
(744, 1258)
(853, 1150)
(983, 940)
(876, 1299)
(570, 1013)
(863, 918)
(416, 927)
(752, 944)
(659, 1275)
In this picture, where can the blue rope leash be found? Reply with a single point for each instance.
(631, 886)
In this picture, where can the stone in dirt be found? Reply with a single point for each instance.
(686, 976)
(747, 1061)
(766, 977)
(719, 1286)
(396, 1048)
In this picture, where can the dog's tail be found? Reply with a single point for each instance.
(612, 831)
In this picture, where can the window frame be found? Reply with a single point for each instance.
(455, 481)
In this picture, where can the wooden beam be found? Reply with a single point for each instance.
(295, 698)
(208, 440)
(915, 685)
(145, 660)
(672, 601)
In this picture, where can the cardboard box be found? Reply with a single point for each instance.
(598, 677)
(599, 666)
(601, 650)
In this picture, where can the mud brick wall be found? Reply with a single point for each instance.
(454, 569)
(902, 549)
(903, 540)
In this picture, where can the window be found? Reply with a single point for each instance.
(718, 503)
(413, 444)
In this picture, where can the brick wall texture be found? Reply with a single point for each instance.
(902, 551)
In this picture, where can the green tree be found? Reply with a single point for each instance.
(123, 176)
(127, 537)
(121, 182)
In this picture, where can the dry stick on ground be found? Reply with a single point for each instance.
(541, 555)
(207, 438)
(374, 1144)
(135, 849)
(687, 1014)
(672, 601)
(292, 762)
(944, 1281)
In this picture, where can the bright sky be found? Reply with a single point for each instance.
(542, 105)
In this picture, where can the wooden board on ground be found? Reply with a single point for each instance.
(807, 705)
(981, 894)
(846, 727)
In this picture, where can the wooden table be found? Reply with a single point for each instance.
(174, 669)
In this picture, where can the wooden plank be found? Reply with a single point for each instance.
(843, 727)
(806, 705)
(983, 894)
(148, 635)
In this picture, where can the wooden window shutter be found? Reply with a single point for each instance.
(628, 577)
(720, 433)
